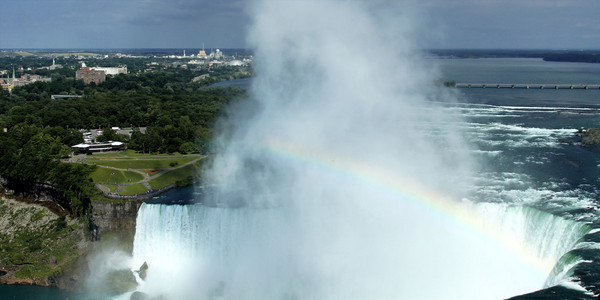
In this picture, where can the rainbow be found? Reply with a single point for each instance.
(395, 184)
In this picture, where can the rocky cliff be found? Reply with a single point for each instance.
(42, 243)
(114, 216)
(41, 193)
(38, 246)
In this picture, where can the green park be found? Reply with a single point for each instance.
(128, 173)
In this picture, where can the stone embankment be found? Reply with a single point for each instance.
(139, 197)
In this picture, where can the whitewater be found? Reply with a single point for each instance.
(349, 175)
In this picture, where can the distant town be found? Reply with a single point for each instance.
(19, 68)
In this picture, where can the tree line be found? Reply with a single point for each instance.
(178, 112)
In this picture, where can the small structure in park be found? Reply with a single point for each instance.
(98, 147)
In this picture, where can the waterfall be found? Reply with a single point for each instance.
(341, 178)
(547, 237)
(194, 245)
(198, 250)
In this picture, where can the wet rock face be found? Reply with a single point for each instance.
(113, 216)
(143, 271)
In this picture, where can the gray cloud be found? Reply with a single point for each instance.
(189, 23)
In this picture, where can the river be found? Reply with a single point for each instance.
(532, 175)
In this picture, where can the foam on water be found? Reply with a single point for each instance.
(335, 181)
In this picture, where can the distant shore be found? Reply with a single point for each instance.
(586, 56)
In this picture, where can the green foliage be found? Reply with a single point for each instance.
(38, 216)
(34, 153)
(176, 109)
(188, 147)
(185, 182)
(178, 112)
(60, 223)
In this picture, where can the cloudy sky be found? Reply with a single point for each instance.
(548, 24)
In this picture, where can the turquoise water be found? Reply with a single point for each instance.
(26, 292)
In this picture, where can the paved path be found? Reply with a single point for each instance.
(146, 181)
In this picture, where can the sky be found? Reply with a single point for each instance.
(509, 24)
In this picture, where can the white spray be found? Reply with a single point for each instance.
(338, 83)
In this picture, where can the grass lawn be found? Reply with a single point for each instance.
(133, 189)
(150, 163)
(142, 164)
(115, 176)
(172, 176)
(112, 187)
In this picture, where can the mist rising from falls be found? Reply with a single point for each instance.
(337, 179)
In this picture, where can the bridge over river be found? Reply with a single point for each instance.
(555, 86)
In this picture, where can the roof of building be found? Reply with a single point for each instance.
(54, 97)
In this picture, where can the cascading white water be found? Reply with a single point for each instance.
(549, 236)
(194, 241)
(340, 178)
(546, 236)
(197, 251)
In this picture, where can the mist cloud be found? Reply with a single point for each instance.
(341, 146)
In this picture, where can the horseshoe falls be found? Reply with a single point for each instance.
(348, 174)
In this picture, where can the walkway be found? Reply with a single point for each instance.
(146, 181)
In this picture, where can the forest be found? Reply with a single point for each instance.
(174, 104)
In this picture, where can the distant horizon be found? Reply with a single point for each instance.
(237, 48)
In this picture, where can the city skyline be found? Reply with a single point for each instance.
(508, 24)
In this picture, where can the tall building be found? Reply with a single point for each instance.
(9, 84)
(90, 75)
(202, 53)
